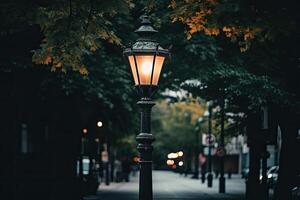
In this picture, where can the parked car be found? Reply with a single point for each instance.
(296, 190)
(272, 176)
(296, 193)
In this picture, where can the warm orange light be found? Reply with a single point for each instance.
(84, 131)
(133, 69)
(144, 68)
(180, 153)
(144, 64)
(172, 155)
(159, 61)
(170, 162)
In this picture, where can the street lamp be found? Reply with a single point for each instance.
(180, 153)
(99, 124)
(197, 130)
(222, 149)
(209, 174)
(85, 131)
(146, 58)
(105, 154)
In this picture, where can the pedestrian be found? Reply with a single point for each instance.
(118, 170)
(126, 168)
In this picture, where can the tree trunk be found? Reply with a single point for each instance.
(252, 183)
(290, 148)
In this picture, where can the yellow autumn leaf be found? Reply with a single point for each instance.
(83, 70)
(172, 4)
(226, 29)
(93, 48)
(47, 60)
(58, 65)
(189, 36)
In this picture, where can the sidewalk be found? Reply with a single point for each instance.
(171, 186)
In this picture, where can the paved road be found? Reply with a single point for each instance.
(172, 186)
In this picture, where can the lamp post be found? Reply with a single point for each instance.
(146, 58)
(209, 174)
(222, 178)
(265, 154)
(197, 130)
(105, 154)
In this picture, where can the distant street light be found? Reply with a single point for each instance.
(173, 155)
(222, 149)
(180, 153)
(146, 58)
(85, 131)
(209, 174)
(170, 162)
(180, 163)
(104, 154)
(197, 141)
(99, 124)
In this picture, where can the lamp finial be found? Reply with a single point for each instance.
(145, 31)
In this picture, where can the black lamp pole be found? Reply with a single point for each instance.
(145, 148)
(264, 154)
(222, 178)
(197, 143)
(209, 175)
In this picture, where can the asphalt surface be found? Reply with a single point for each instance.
(171, 186)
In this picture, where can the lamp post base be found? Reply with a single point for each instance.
(209, 180)
(221, 185)
(202, 177)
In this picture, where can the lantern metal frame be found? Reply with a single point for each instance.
(146, 45)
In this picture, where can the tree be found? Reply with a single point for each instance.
(252, 60)
(173, 126)
(69, 30)
(59, 104)
(266, 72)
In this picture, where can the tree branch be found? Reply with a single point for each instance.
(70, 16)
(90, 15)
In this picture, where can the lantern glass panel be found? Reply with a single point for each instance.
(133, 69)
(159, 61)
(145, 64)
(145, 68)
